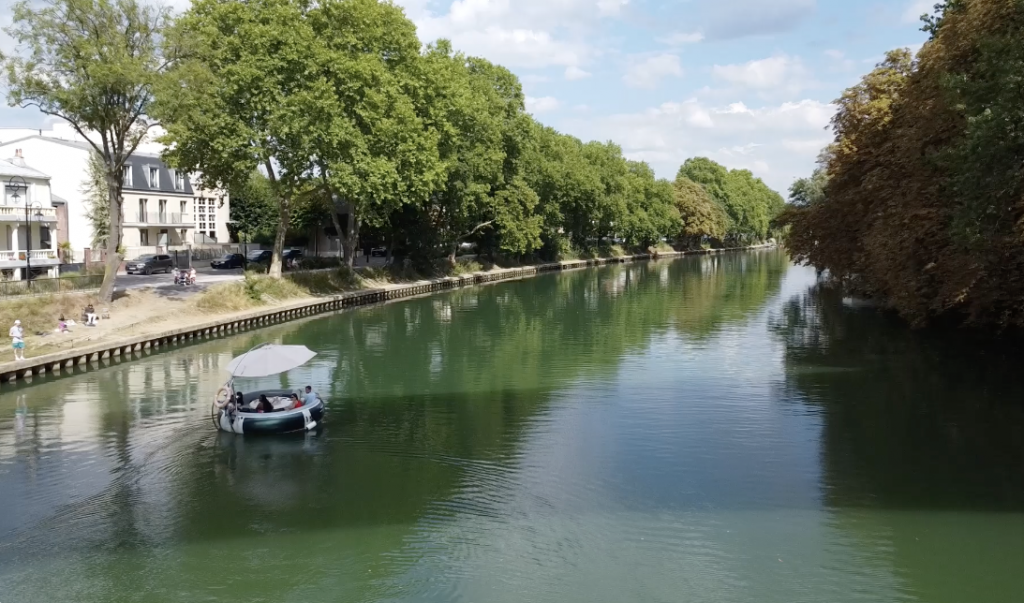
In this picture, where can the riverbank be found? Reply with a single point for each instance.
(144, 320)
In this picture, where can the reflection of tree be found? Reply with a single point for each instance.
(429, 397)
(722, 289)
(923, 436)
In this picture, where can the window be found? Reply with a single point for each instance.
(179, 180)
(142, 210)
(44, 237)
(162, 206)
(201, 214)
(127, 174)
(184, 209)
(154, 177)
(144, 237)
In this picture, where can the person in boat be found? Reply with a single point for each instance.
(310, 398)
(240, 401)
(264, 404)
(296, 402)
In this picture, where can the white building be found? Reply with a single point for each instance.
(162, 209)
(28, 221)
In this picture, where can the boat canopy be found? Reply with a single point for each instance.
(269, 359)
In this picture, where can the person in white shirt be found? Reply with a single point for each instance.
(17, 341)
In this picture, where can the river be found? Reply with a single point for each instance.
(709, 429)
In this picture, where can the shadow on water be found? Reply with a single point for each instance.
(912, 419)
(922, 444)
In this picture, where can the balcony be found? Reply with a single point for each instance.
(18, 256)
(157, 218)
(16, 213)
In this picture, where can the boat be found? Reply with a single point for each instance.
(238, 416)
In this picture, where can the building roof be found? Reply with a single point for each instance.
(9, 169)
(54, 198)
(139, 164)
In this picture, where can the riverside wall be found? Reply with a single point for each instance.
(99, 355)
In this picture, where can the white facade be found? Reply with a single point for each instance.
(28, 221)
(159, 213)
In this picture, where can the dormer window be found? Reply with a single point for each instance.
(179, 180)
(127, 174)
(154, 177)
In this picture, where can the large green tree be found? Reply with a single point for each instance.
(94, 64)
(372, 145)
(241, 97)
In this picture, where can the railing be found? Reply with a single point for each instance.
(15, 212)
(18, 255)
(156, 217)
(64, 284)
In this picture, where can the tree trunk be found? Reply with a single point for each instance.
(351, 236)
(113, 261)
(337, 222)
(282, 230)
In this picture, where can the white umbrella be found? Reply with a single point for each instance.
(269, 359)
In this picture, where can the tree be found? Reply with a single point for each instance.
(97, 200)
(700, 216)
(254, 209)
(371, 143)
(94, 64)
(805, 192)
(242, 96)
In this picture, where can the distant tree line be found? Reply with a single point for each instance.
(311, 112)
(920, 199)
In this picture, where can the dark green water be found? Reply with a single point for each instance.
(703, 430)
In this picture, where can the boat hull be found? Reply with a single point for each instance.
(303, 418)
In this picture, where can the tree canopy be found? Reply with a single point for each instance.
(923, 201)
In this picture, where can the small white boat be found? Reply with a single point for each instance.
(233, 410)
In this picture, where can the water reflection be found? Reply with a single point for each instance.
(922, 444)
(702, 429)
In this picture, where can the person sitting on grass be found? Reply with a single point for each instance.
(90, 316)
(62, 324)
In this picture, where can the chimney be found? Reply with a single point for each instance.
(18, 159)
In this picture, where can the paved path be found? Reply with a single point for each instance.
(164, 283)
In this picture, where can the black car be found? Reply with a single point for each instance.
(148, 264)
(260, 256)
(378, 252)
(231, 260)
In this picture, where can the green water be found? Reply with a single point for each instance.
(712, 429)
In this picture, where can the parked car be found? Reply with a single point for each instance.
(378, 252)
(231, 260)
(148, 264)
(260, 256)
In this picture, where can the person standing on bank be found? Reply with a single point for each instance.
(17, 341)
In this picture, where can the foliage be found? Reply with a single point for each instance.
(748, 202)
(923, 206)
(427, 150)
(253, 209)
(97, 206)
(241, 97)
(94, 64)
(809, 191)
(700, 216)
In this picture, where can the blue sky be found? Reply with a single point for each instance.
(745, 82)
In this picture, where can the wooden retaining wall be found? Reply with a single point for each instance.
(99, 355)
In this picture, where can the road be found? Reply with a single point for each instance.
(205, 277)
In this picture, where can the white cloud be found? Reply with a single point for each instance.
(543, 104)
(777, 142)
(780, 73)
(916, 8)
(573, 72)
(648, 72)
(520, 47)
(838, 55)
(682, 38)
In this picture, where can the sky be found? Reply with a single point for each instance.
(748, 83)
